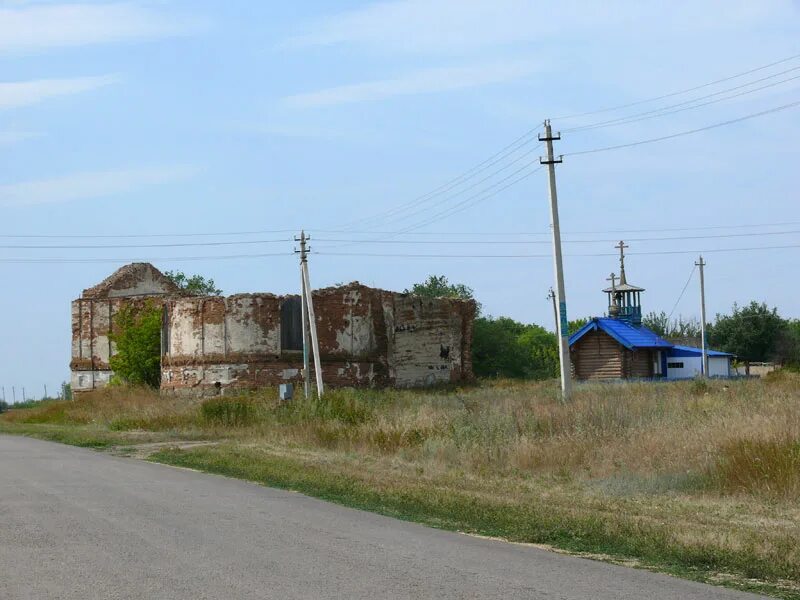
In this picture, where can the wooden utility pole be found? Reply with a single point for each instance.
(304, 310)
(311, 320)
(701, 263)
(563, 323)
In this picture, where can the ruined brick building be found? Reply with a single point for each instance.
(368, 337)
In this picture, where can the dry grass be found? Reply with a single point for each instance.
(738, 437)
(711, 470)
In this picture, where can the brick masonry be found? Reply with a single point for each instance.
(368, 337)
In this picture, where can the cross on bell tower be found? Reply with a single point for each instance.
(624, 299)
(622, 247)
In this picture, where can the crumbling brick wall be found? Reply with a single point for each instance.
(93, 320)
(368, 337)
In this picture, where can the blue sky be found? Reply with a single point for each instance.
(177, 117)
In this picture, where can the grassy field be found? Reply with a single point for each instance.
(697, 479)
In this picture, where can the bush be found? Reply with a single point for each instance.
(137, 334)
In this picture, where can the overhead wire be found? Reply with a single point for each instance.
(413, 233)
(455, 182)
(687, 132)
(109, 246)
(665, 111)
(683, 291)
(596, 241)
(549, 256)
(677, 93)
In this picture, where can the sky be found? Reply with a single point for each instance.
(149, 122)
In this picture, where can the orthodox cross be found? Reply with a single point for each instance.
(622, 247)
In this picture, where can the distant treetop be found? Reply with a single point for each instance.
(196, 284)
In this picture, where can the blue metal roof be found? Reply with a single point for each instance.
(628, 335)
(692, 351)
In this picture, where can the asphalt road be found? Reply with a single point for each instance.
(78, 524)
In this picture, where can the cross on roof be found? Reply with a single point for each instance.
(622, 247)
(613, 280)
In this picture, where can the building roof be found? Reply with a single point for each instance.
(135, 279)
(628, 335)
(624, 287)
(692, 351)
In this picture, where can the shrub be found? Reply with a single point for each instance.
(137, 334)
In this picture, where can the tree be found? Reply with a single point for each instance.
(576, 324)
(3, 406)
(751, 333)
(787, 346)
(438, 286)
(661, 324)
(196, 284)
(137, 334)
(503, 347)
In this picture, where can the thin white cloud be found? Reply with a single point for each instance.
(23, 93)
(470, 25)
(12, 137)
(424, 81)
(34, 27)
(86, 186)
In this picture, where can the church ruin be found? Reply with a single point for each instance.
(212, 344)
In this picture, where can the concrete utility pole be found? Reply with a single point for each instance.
(701, 263)
(45, 391)
(312, 323)
(303, 259)
(551, 295)
(563, 323)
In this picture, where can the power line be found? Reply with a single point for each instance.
(549, 256)
(108, 246)
(144, 235)
(414, 233)
(679, 92)
(664, 111)
(683, 291)
(689, 132)
(60, 260)
(472, 201)
(474, 185)
(607, 240)
(456, 181)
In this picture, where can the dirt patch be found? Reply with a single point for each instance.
(144, 451)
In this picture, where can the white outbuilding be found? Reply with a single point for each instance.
(686, 362)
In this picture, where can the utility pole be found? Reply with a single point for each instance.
(303, 259)
(563, 323)
(13, 394)
(45, 391)
(312, 323)
(551, 295)
(701, 263)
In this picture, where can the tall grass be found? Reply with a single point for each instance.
(727, 437)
